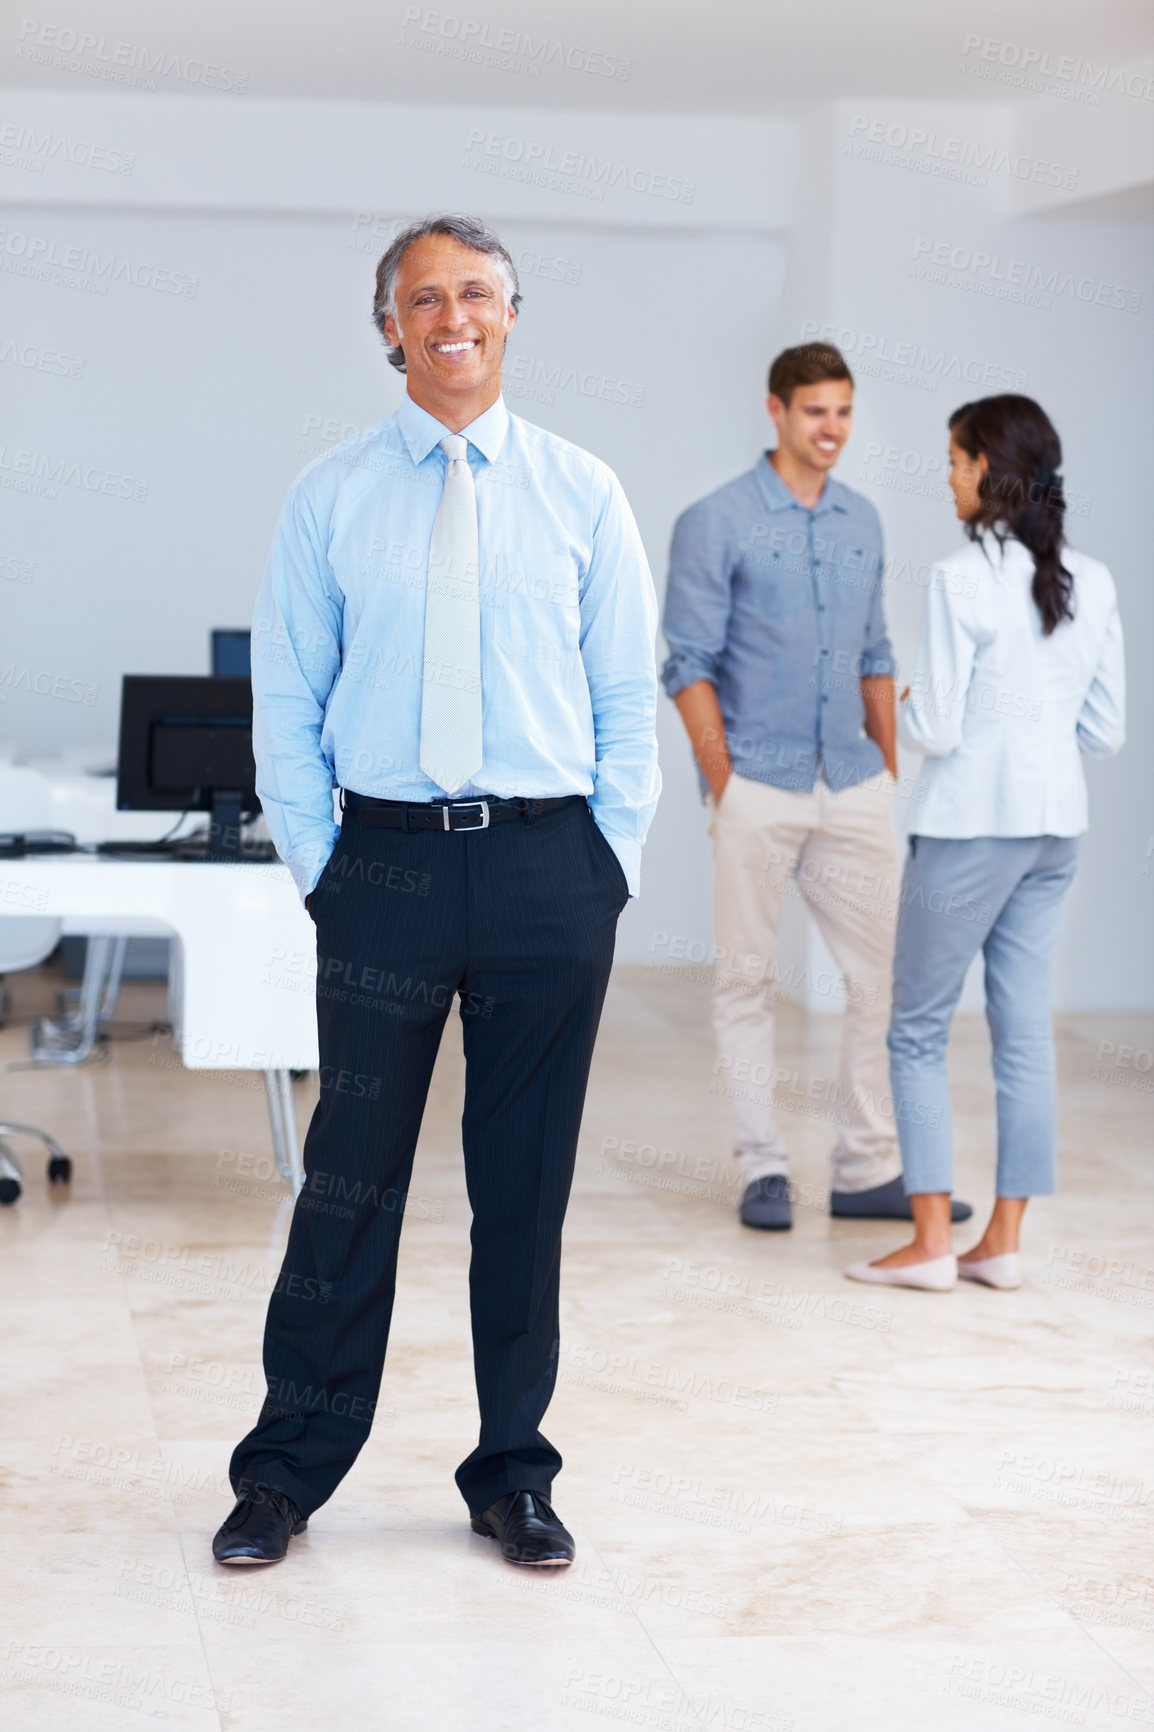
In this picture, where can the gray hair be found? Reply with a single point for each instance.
(471, 232)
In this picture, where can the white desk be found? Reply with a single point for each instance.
(241, 988)
(85, 805)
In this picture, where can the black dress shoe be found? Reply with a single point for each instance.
(766, 1204)
(885, 1203)
(259, 1529)
(527, 1528)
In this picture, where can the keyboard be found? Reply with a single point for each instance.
(143, 850)
(188, 848)
(17, 844)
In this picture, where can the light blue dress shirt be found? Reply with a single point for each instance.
(780, 608)
(568, 620)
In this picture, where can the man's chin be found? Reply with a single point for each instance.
(459, 378)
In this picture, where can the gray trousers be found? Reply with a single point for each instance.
(1002, 895)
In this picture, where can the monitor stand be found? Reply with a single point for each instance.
(222, 840)
(224, 832)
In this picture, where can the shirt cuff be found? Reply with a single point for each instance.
(308, 863)
(685, 670)
(878, 667)
(628, 858)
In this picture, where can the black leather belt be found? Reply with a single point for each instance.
(446, 814)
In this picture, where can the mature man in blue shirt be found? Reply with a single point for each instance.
(456, 628)
(781, 668)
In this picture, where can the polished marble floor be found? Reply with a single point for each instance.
(799, 1504)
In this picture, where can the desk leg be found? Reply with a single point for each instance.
(70, 1039)
(111, 993)
(282, 1120)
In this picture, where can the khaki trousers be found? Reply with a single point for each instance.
(838, 852)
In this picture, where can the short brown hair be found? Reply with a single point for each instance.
(808, 364)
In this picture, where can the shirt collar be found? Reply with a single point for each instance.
(421, 432)
(779, 497)
(998, 534)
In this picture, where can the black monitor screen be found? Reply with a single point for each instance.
(192, 754)
(184, 741)
(232, 652)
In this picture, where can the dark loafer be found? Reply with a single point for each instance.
(766, 1204)
(884, 1203)
(259, 1529)
(527, 1528)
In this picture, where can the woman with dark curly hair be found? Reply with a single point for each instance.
(1019, 671)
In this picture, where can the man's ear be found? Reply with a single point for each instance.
(392, 332)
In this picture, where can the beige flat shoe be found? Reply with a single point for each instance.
(1004, 1271)
(936, 1275)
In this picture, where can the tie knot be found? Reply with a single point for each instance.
(455, 446)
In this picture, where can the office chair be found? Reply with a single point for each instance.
(12, 1173)
(70, 1037)
(25, 941)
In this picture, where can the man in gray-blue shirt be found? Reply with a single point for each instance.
(781, 668)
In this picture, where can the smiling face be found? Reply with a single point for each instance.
(452, 320)
(814, 425)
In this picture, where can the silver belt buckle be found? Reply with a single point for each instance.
(481, 805)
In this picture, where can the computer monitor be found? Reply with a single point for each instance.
(232, 652)
(186, 746)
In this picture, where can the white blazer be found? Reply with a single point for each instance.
(1002, 713)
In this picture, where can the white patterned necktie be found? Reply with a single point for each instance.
(451, 679)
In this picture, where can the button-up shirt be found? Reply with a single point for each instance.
(780, 608)
(1002, 712)
(568, 620)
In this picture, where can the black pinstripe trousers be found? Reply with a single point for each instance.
(516, 923)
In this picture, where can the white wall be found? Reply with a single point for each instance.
(215, 398)
(1087, 360)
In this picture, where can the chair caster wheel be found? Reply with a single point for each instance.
(59, 1170)
(9, 1190)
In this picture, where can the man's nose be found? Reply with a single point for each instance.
(456, 314)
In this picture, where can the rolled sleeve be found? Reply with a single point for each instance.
(296, 657)
(618, 628)
(878, 661)
(698, 599)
